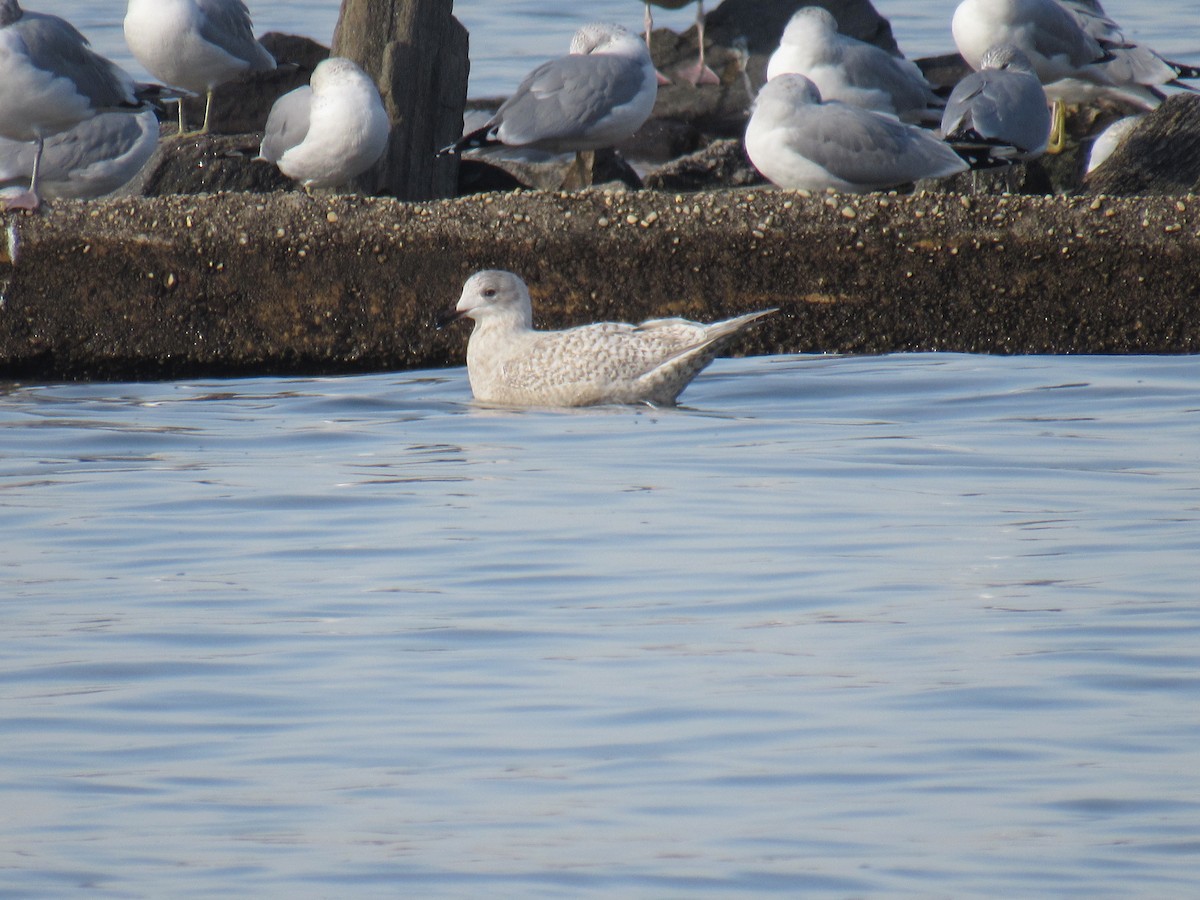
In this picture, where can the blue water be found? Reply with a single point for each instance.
(509, 37)
(913, 626)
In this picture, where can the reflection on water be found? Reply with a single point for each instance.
(910, 625)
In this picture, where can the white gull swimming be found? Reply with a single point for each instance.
(511, 364)
(196, 45)
(852, 71)
(800, 142)
(329, 131)
(50, 81)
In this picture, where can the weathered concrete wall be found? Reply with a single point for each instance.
(246, 284)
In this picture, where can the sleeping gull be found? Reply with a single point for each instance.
(595, 97)
(799, 142)
(511, 364)
(1110, 139)
(50, 81)
(196, 45)
(852, 71)
(1075, 49)
(96, 157)
(329, 131)
(1000, 112)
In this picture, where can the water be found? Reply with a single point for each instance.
(913, 626)
(510, 37)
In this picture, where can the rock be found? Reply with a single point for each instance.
(943, 72)
(1161, 156)
(722, 163)
(207, 164)
(545, 171)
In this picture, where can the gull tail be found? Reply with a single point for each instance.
(979, 152)
(1182, 70)
(480, 137)
(667, 378)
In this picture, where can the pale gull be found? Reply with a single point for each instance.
(329, 131)
(96, 157)
(1000, 112)
(50, 81)
(1110, 139)
(595, 97)
(196, 45)
(852, 71)
(511, 364)
(799, 142)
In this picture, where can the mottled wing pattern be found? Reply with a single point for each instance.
(604, 353)
(566, 96)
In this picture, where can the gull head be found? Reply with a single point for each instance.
(809, 24)
(600, 37)
(787, 92)
(1007, 57)
(492, 295)
(335, 70)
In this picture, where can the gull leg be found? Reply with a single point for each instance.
(181, 121)
(1058, 128)
(28, 199)
(580, 173)
(699, 73)
(207, 112)
(662, 79)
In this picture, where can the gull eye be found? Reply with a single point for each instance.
(489, 292)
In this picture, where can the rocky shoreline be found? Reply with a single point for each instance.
(250, 284)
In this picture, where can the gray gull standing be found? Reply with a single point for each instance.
(596, 96)
(1076, 51)
(96, 157)
(196, 45)
(799, 142)
(329, 131)
(1001, 111)
(50, 81)
(852, 71)
(511, 364)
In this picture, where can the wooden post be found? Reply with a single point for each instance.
(417, 52)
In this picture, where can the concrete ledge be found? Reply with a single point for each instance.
(249, 284)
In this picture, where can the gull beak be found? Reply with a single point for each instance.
(447, 317)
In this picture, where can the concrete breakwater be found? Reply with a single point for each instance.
(242, 284)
